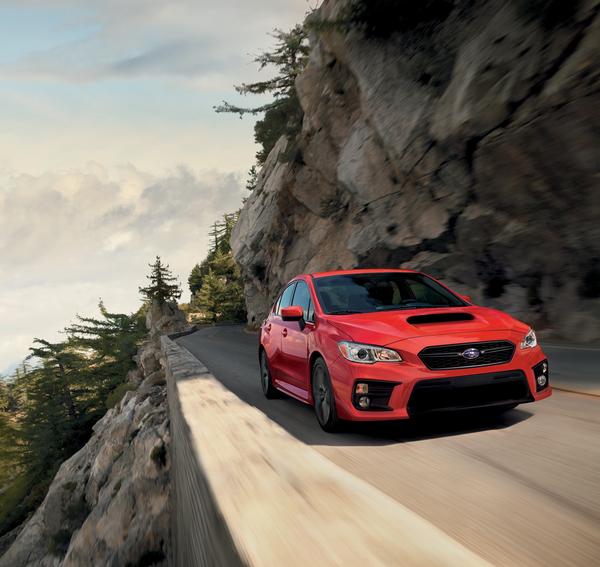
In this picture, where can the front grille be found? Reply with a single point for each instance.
(464, 392)
(448, 357)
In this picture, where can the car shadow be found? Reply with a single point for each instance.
(441, 425)
(299, 420)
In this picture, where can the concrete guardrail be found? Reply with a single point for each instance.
(248, 493)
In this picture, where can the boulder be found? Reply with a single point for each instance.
(164, 318)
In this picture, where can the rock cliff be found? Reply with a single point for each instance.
(109, 503)
(466, 146)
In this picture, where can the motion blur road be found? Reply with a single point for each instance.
(521, 489)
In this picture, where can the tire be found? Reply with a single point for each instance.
(323, 397)
(266, 383)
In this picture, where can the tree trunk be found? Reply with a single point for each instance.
(67, 392)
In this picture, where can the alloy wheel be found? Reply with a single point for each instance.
(322, 395)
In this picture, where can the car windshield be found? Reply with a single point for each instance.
(366, 293)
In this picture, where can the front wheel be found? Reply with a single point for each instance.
(324, 400)
(266, 383)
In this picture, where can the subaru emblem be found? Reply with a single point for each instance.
(471, 353)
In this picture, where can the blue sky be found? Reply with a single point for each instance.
(110, 151)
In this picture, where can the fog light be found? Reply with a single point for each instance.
(364, 402)
(542, 376)
(362, 388)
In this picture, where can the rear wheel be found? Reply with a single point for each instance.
(266, 383)
(324, 400)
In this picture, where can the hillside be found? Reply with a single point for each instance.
(461, 141)
(109, 503)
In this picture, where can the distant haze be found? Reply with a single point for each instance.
(110, 151)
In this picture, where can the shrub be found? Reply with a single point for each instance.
(382, 18)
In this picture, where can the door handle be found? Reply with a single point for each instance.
(284, 332)
(268, 329)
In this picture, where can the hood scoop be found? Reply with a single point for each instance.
(439, 318)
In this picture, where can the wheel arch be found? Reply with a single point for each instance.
(311, 361)
(313, 357)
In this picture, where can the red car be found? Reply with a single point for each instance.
(367, 345)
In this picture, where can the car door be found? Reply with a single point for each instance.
(294, 342)
(274, 328)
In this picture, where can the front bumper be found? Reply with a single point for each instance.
(418, 390)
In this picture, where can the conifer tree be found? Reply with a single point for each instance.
(163, 285)
(282, 116)
(252, 178)
(110, 343)
(50, 404)
(62, 362)
(220, 295)
(195, 279)
(211, 296)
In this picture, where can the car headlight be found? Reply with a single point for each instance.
(367, 354)
(530, 340)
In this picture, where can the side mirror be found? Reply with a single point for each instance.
(468, 298)
(292, 313)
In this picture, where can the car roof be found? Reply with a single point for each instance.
(361, 271)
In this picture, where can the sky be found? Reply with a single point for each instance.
(110, 150)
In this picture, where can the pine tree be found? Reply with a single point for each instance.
(219, 293)
(252, 178)
(62, 362)
(50, 404)
(110, 343)
(195, 279)
(211, 296)
(163, 285)
(282, 116)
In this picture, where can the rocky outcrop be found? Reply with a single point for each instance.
(165, 319)
(109, 503)
(466, 147)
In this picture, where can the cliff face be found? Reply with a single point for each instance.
(467, 148)
(109, 503)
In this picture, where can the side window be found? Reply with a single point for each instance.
(286, 297)
(302, 298)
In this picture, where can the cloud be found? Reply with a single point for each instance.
(116, 81)
(181, 38)
(70, 238)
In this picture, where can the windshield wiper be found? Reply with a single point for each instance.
(403, 307)
(400, 307)
(343, 312)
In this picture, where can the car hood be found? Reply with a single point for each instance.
(386, 327)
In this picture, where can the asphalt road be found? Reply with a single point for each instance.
(575, 368)
(522, 489)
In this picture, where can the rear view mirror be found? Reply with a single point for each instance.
(292, 313)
